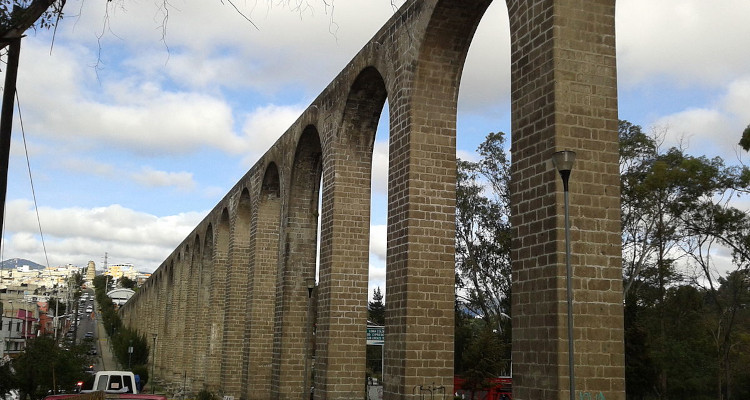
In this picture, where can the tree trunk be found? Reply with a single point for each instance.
(24, 18)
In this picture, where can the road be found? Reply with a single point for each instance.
(91, 324)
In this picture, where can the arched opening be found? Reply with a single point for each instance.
(202, 328)
(482, 287)
(239, 290)
(297, 268)
(345, 241)
(217, 299)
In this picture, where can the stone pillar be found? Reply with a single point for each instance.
(262, 294)
(564, 97)
(345, 245)
(202, 329)
(236, 298)
(193, 328)
(217, 298)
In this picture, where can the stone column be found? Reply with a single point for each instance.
(234, 310)
(564, 97)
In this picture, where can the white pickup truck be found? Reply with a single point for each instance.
(115, 382)
(110, 385)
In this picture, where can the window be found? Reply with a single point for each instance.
(115, 383)
(102, 384)
(128, 383)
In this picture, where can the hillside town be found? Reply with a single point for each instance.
(26, 290)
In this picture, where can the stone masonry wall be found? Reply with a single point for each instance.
(258, 344)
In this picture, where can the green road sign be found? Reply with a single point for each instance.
(376, 335)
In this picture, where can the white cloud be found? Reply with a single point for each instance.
(153, 178)
(263, 127)
(378, 241)
(132, 113)
(689, 42)
(713, 130)
(380, 167)
(486, 76)
(88, 166)
(76, 235)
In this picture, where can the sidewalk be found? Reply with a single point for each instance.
(106, 359)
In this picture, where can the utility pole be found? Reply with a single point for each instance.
(6, 117)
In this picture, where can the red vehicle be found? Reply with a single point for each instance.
(105, 396)
(497, 389)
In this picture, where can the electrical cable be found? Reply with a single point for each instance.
(31, 180)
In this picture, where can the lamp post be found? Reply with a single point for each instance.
(10, 321)
(310, 283)
(563, 161)
(10, 337)
(152, 378)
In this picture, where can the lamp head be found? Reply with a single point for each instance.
(563, 160)
(310, 282)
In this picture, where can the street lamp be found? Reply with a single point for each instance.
(310, 283)
(153, 363)
(563, 161)
(10, 322)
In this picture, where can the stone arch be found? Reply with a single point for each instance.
(563, 97)
(170, 320)
(200, 331)
(183, 267)
(345, 230)
(296, 263)
(262, 249)
(236, 296)
(217, 301)
(421, 220)
(192, 308)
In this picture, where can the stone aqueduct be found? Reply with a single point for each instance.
(229, 305)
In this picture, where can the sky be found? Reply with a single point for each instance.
(138, 119)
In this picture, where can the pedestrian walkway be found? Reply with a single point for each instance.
(107, 361)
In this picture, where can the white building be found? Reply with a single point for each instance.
(11, 335)
(117, 271)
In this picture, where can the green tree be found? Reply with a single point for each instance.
(100, 281)
(7, 379)
(57, 306)
(123, 340)
(376, 315)
(44, 366)
(483, 357)
(483, 234)
(78, 280)
(127, 283)
(745, 140)
(376, 308)
(16, 16)
(483, 238)
(676, 213)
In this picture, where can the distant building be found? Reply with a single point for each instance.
(90, 273)
(17, 327)
(120, 296)
(10, 334)
(117, 271)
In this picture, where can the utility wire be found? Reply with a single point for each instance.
(31, 180)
